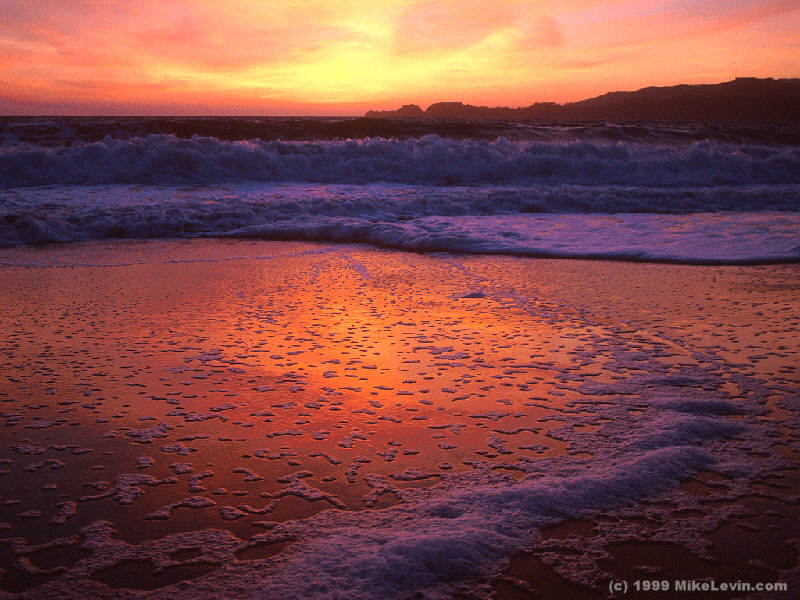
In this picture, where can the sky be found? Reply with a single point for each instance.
(319, 57)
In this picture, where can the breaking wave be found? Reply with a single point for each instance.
(563, 221)
(521, 188)
(431, 159)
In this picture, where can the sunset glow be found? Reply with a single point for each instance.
(320, 57)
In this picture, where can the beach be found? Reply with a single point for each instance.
(236, 418)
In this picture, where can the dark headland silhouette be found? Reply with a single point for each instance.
(743, 99)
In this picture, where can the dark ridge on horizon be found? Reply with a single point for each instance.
(745, 99)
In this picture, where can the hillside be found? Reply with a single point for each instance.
(743, 99)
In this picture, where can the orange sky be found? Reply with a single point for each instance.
(344, 57)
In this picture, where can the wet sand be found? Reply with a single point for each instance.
(184, 418)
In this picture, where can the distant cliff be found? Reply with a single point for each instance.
(743, 99)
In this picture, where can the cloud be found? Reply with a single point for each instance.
(651, 23)
(231, 35)
(549, 32)
(430, 26)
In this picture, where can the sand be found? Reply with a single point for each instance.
(235, 419)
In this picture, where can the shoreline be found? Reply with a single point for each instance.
(700, 238)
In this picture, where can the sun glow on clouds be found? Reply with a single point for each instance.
(323, 57)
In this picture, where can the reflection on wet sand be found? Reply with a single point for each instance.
(169, 422)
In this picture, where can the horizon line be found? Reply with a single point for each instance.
(363, 114)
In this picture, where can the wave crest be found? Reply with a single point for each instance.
(433, 160)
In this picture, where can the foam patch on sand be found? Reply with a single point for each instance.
(472, 406)
(463, 533)
(479, 520)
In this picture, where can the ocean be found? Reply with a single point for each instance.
(307, 358)
(686, 192)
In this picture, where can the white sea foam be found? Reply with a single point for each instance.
(708, 238)
(87, 179)
(602, 221)
(463, 533)
(463, 528)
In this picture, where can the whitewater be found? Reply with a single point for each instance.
(676, 193)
